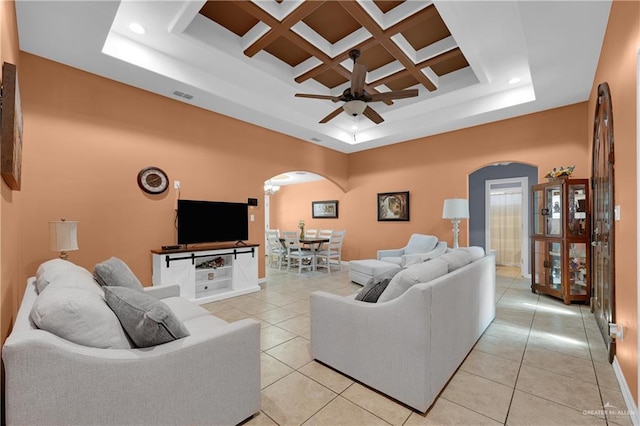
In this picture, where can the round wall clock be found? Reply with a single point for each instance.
(153, 180)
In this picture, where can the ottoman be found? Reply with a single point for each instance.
(361, 271)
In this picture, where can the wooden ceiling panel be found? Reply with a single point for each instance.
(229, 16)
(332, 22)
(287, 51)
(402, 83)
(452, 64)
(386, 5)
(331, 79)
(426, 33)
(375, 57)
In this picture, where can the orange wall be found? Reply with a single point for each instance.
(617, 66)
(86, 139)
(433, 169)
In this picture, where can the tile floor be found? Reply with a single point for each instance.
(539, 363)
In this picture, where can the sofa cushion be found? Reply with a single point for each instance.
(183, 309)
(49, 270)
(76, 277)
(412, 259)
(147, 320)
(415, 274)
(114, 272)
(78, 315)
(475, 252)
(419, 243)
(375, 286)
(456, 258)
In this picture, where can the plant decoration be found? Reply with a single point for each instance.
(301, 226)
(560, 172)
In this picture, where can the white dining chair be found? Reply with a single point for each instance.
(295, 251)
(332, 250)
(275, 249)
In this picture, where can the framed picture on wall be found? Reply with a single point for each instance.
(11, 135)
(393, 206)
(324, 209)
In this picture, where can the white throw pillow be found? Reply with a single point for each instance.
(475, 252)
(456, 258)
(80, 316)
(415, 274)
(49, 270)
(78, 278)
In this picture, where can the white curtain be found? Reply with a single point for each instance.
(506, 226)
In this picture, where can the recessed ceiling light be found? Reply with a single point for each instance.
(354, 127)
(514, 80)
(137, 28)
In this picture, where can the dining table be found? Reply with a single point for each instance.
(314, 243)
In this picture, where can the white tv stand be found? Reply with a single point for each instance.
(207, 273)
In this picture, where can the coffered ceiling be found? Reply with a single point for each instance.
(472, 62)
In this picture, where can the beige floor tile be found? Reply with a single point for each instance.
(377, 403)
(559, 343)
(216, 307)
(564, 390)
(231, 315)
(271, 370)
(606, 375)
(298, 325)
(615, 408)
(341, 412)
(294, 352)
(301, 306)
(277, 315)
(507, 331)
(559, 363)
(294, 399)
(478, 394)
(254, 306)
(503, 348)
(260, 420)
(444, 412)
(527, 409)
(326, 376)
(491, 367)
(272, 335)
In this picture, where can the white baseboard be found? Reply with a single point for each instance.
(626, 392)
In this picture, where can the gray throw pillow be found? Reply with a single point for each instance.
(375, 286)
(147, 320)
(114, 272)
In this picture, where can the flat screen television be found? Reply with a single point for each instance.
(212, 221)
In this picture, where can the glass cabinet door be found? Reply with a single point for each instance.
(554, 210)
(555, 265)
(537, 210)
(577, 211)
(578, 268)
(539, 272)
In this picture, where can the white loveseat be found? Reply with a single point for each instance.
(212, 376)
(410, 346)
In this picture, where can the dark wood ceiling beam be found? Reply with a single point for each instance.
(278, 28)
(428, 63)
(367, 22)
(399, 27)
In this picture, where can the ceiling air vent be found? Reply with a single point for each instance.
(315, 139)
(182, 94)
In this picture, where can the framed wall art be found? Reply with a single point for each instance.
(393, 206)
(324, 209)
(11, 135)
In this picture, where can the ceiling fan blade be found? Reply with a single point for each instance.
(395, 94)
(372, 115)
(326, 97)
(332, 115)
(357, 79)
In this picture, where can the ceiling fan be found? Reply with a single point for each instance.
(356, 98)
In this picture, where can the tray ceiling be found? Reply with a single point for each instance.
(472, 62)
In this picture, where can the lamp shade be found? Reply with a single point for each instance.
(355, 107)
(63, 235)
(455, 208)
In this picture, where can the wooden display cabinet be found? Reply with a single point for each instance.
(560, 239)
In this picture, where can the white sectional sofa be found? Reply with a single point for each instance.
(410, 345)
(211, 376)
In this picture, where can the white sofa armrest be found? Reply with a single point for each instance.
(343, 329)
(390, 253)
(439, 250)
(163, 291)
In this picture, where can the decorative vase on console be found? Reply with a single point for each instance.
(301, 226)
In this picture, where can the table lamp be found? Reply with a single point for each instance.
(63, 236)
(455, 209)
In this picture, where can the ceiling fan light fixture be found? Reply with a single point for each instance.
(355, 107)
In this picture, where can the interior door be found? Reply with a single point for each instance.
(602, 225)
